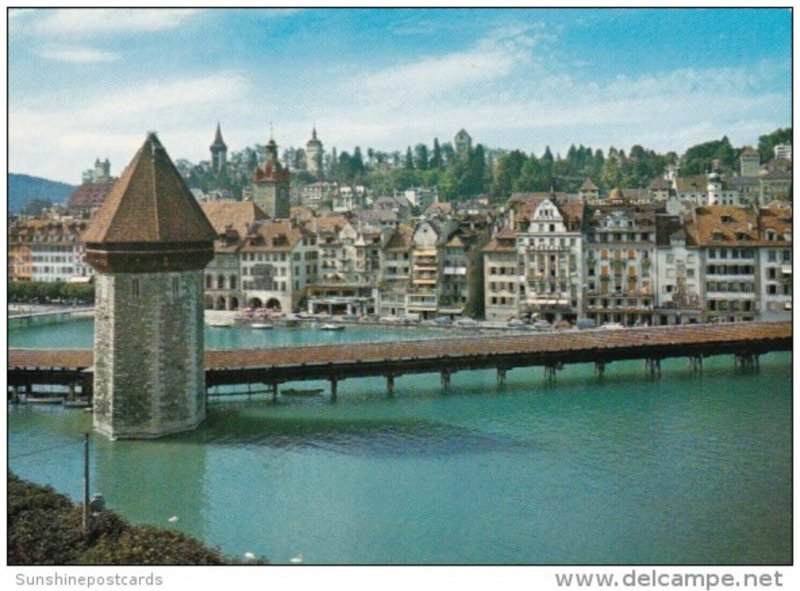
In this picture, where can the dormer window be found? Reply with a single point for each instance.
(726, 218)
(718, 237)
(772, 235)
(742, 236)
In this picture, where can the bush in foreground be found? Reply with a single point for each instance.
(44, 528)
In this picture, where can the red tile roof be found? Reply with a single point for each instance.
(150, 203)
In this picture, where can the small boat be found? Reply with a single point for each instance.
(301, 392)
(332, 327)
(44, 400)
(220, 323)
(261, 325)
(289, 321)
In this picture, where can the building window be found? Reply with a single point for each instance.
(175, 287)
(135, 289)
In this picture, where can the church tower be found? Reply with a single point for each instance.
(219, 152)
(314, 155)
(149, 243)
(271, 184)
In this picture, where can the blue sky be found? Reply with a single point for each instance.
(88, 83)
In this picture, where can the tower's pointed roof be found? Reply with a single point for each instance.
(150, 203)
(218, 142)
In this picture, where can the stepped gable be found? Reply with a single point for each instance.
(149, 214)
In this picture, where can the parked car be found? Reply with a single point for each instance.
(586, 324)
(612, 326)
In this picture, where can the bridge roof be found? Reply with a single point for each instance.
(644, 341)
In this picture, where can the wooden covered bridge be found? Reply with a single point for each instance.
(273, 366)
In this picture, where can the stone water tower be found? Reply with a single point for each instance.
(149, 243)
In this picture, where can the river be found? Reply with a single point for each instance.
(685, 469)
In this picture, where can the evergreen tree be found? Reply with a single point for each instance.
(421, 156)
(436, 159)
(409, 161)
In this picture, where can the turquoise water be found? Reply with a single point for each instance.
(685, 469)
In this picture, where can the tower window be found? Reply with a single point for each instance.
(135, 289)
(175, 287)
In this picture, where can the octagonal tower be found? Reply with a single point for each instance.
(149, 244)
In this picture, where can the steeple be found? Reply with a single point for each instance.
(218, 142)
(219, 151)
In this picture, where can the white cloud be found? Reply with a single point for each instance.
(76, 54)
(496, 56)
(532, 106)
(114, 123)
(104, 22)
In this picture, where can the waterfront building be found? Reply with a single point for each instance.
(231, 221)
(422, 297)
(271, 184)
(219, 152)
(279, 258)
(725, 237)
(774, 262)
(550, 251)
(454, 286)
(48, 250)
(501, 272)
(618, 256)
(314, 153)
(396, 273)
(149, 244)
(336, 239)
(677, 274)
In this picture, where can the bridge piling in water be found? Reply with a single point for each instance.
(653, 367)
(501, 376)
(445, 379)
(334, 384)
(390, 384)
(599, 369)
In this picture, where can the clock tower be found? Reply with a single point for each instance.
(271, 185)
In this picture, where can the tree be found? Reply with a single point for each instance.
(611, 177)
(436, 159)
(421, 157)
(357, 163)
(409, 161)
(35, 207)
(767, 142)
(509, 169)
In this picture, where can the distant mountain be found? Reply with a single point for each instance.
(22, 189)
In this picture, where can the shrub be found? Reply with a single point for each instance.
(45, 528)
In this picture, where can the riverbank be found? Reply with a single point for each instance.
(45, 528)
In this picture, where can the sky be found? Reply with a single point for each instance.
(89, 83)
